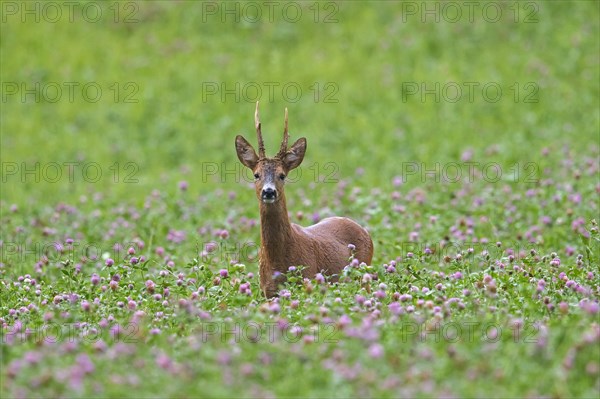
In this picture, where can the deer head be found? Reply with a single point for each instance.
(270, 173)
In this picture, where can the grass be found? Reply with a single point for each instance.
(485, 278)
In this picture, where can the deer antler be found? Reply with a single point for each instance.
(261, 144)
(284, 143)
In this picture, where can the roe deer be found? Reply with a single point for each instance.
(323, 247)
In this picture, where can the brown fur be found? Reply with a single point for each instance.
(322, 247)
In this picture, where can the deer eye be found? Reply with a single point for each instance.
(256, 176)
(282, 176)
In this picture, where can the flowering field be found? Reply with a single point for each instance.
(130, 232)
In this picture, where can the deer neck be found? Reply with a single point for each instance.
(276, 233)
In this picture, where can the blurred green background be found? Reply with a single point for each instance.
(158, 119)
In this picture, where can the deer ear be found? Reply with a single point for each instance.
(245, 152)
(293, 158)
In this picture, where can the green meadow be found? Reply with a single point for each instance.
(463, 135)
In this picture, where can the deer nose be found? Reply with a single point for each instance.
(268, 193)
